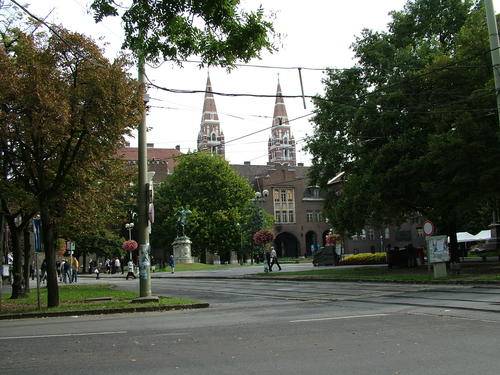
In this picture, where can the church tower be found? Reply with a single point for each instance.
(210, 136)
(281, 146)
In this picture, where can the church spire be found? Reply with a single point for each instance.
(210, 136)
(281, 146)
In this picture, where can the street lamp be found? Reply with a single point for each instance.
(259, 200)
(238, 225)
(129, 226)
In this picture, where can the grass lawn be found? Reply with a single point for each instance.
(180, 267)
(470, 273)
(75, 298)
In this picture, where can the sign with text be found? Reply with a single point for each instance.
(437, 249)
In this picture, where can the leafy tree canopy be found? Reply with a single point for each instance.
(215, 194)
(217, 31)
(413, 124)
(64, 110)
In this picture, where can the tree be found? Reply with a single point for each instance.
(216, 31)
(413, 123)
(95, 217)
(215, 194)
(64, 109)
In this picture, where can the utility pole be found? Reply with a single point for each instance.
(143, 230)
(491, 21)
(495, 47)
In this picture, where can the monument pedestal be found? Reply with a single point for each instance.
(182, 250)
(234, 258)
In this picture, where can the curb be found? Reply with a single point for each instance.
(442, 282)
(48, 314)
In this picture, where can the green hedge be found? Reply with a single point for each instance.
(364, 258)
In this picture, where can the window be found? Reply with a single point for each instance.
(284, 205)
(214, 137)
(309, 216)
(283, 195)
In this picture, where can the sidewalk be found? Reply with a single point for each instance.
(230, 272)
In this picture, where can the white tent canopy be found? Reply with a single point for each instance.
(467, 237)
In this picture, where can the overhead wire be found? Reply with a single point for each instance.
(183, 91)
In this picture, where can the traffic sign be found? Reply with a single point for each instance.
(429, 228)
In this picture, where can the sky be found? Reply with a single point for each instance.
(314, 34)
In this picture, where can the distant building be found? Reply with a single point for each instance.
(210, 136)
(281, 144)
(297, 207)
(162, 161)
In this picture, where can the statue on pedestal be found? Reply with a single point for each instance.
(182, 216)
(182, 243)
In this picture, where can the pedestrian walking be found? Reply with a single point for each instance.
(274, 259)
(171, 263)
(43, 271)
(74, 270)
(117, 265)
(130, 271)
(267, 257)
(32, 270)
(96, 273)
(58, 270)
(66, 272)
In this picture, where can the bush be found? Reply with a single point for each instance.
(364, 258)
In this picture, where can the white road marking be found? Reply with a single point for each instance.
(338, 318)
(63, 335)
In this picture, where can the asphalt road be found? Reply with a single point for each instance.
(269, 327)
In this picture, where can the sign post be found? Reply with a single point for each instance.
(438, 255)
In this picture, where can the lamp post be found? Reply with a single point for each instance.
(260, 198)
(129, 226)
(238, 225)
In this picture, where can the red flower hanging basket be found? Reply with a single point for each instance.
(262, 237)
(130, 245)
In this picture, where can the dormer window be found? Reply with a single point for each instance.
(214, 137)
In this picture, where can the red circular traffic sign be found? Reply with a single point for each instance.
(429, 228)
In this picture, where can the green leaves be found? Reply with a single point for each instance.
(216, 30)
(414, 124)
(217, 196)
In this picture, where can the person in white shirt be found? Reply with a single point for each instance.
(130, 272)
(274, 259)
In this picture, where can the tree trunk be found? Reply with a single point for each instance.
(17, 283)
(453, 245)
(50, 256)
(27, 260)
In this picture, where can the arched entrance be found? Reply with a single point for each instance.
(311, 242)
(286, 245)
